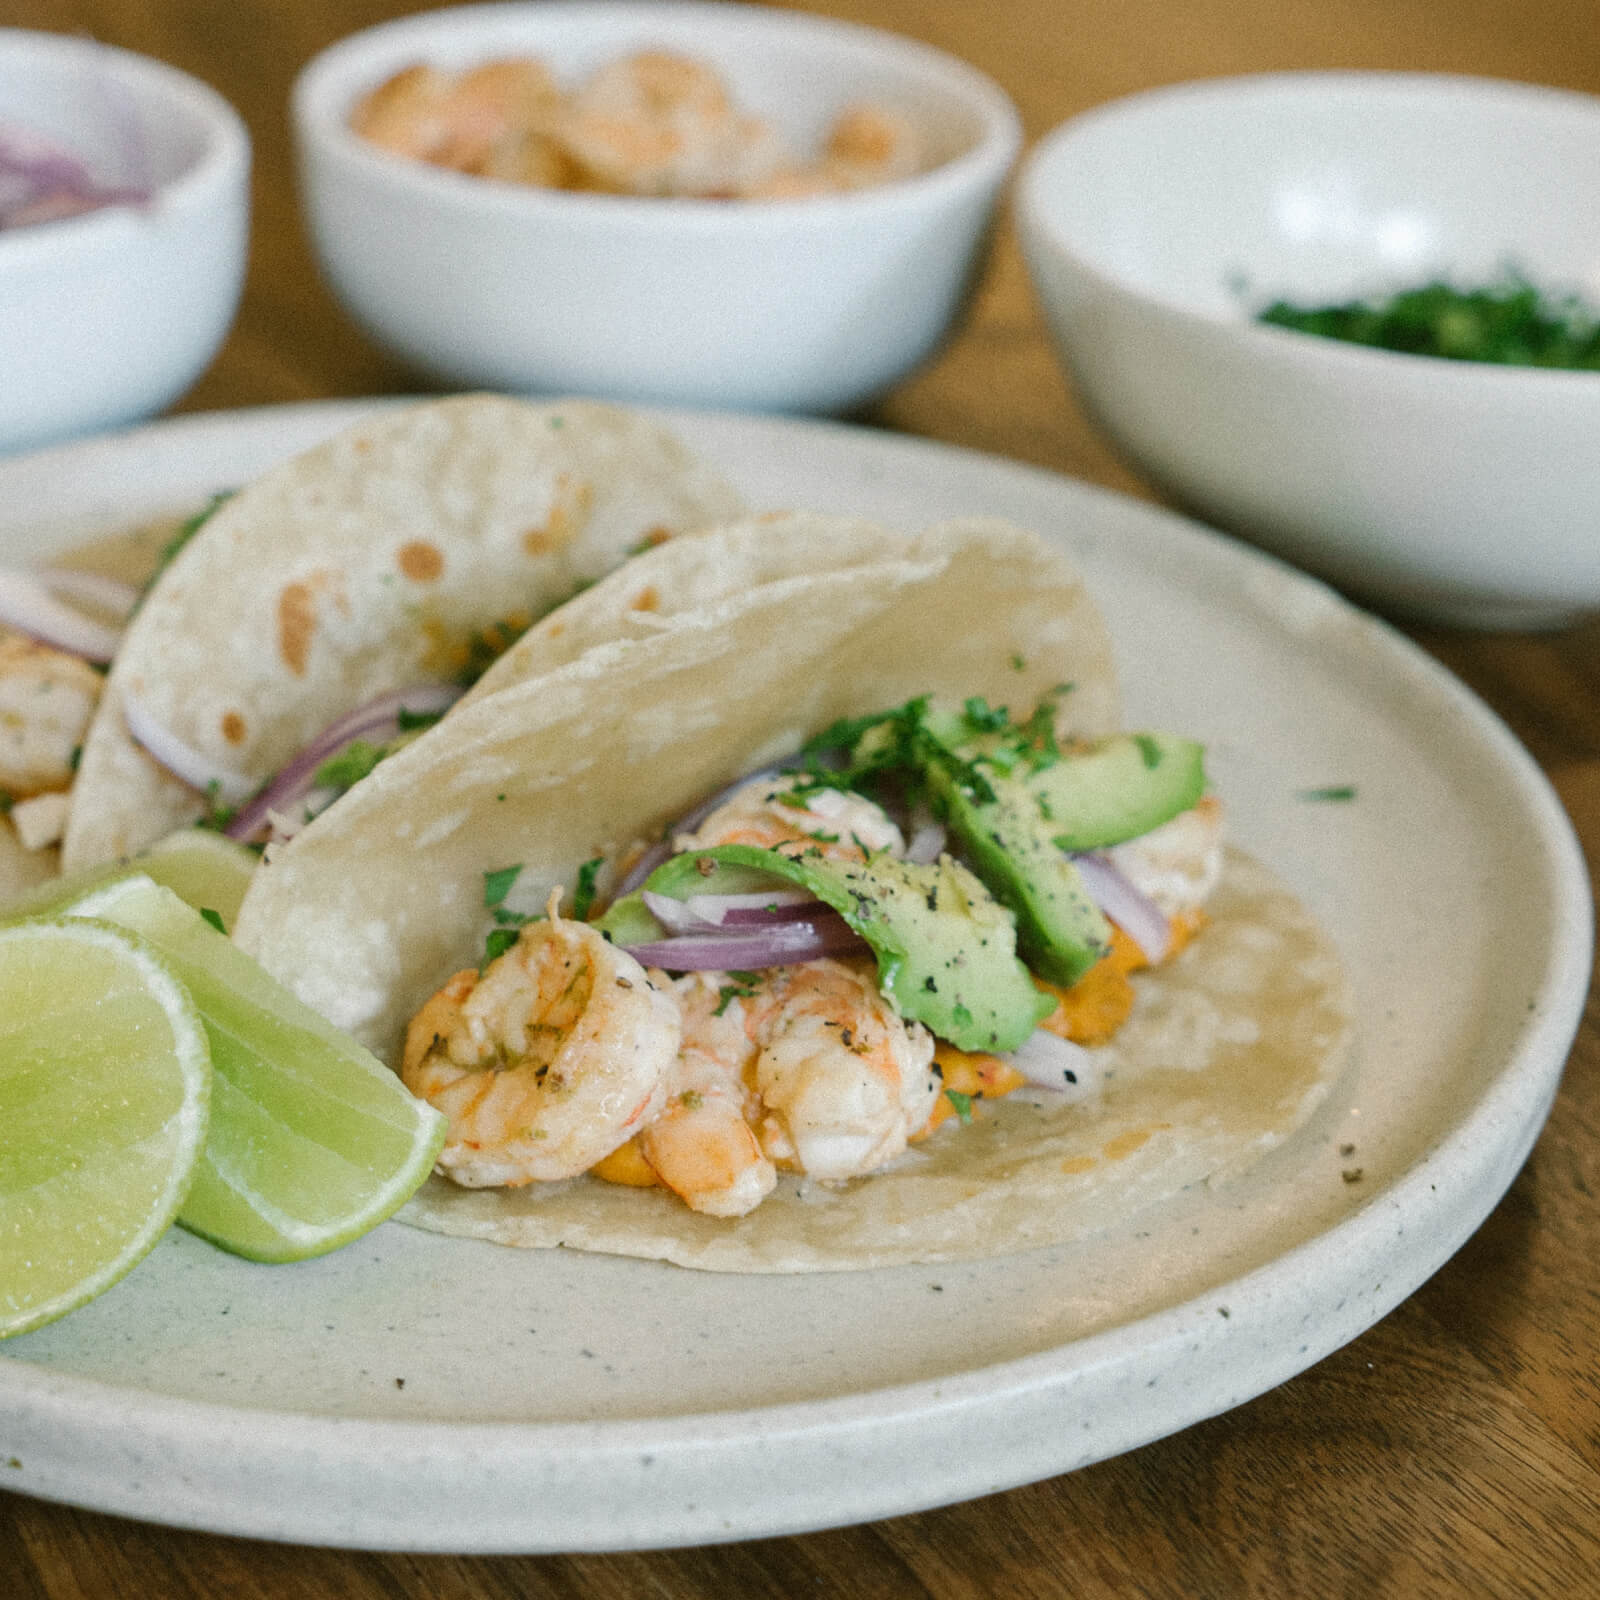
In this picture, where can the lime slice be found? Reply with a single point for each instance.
(105, 1079)
(313, 1140)
(207, 870)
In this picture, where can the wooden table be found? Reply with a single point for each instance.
(1454, 1448)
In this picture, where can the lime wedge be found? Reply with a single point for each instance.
(313, 1140)
(105, 1079)
(207, 870)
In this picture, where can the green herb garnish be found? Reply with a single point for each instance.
(187, 529)
(347, 767)
(961, 1102)
(497, 884)
(1508, 323)
(1334, 791)
(583, 894)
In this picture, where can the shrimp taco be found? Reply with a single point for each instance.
(404, 552)
(791, 901)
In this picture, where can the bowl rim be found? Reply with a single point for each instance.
(322, 90)
(223, 162)
(1037, 220)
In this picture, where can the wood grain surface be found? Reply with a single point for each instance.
(1454, 1449)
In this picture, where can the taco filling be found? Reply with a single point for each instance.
(927, 909)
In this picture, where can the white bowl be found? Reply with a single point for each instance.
(1156, 226)
(109, 316)
(804, 305)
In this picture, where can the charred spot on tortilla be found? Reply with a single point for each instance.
(297, 625)
(567, 517)
(657, 535)
(420, 561)
(298, 604)
(234, 728)
(647, 599)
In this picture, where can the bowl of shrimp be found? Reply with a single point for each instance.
(124, 214)
(712, 205)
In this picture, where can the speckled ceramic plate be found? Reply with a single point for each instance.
(421, 1392)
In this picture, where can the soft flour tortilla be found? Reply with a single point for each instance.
(628, 715)
(366, 565)
(617, 716)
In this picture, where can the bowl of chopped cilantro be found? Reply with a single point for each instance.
(1353, 317)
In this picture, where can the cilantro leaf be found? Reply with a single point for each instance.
(583, 894)
(497, 884)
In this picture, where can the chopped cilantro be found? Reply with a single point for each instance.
(729, 992)
(1149, 748)
(1511, 322)
(961, 1102)
(497, 884)
(486, 645)
(583, 894)
(499, 941)
(985, 718)
(1334, 791)
(186, 531)
(216, 815)
(213, 917)
(347, 767)
(410, 721)
(1018, 663)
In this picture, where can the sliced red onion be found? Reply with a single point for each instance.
(780, 944)
(777, 905)
(1133, 911)
(1051, 1062)
(676, 916)
(652, 858)
(377, 720)
(927, 842)
(40, 181)
(182, 760)
(698, 912)
(27, 603)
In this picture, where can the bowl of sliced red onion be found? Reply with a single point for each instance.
(124, 213)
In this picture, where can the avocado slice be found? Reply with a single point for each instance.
(1012, 848)
(946, 949)
(1118, 788)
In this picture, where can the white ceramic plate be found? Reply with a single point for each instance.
(420, 1392)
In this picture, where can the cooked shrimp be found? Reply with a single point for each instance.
(546, 1063)
(408, 113)
(1178, 864)
(702, 1145)
(660, 123)
(843, 1080)
(46, 700)
(767, 812)
(459, 120)
(869, 144)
